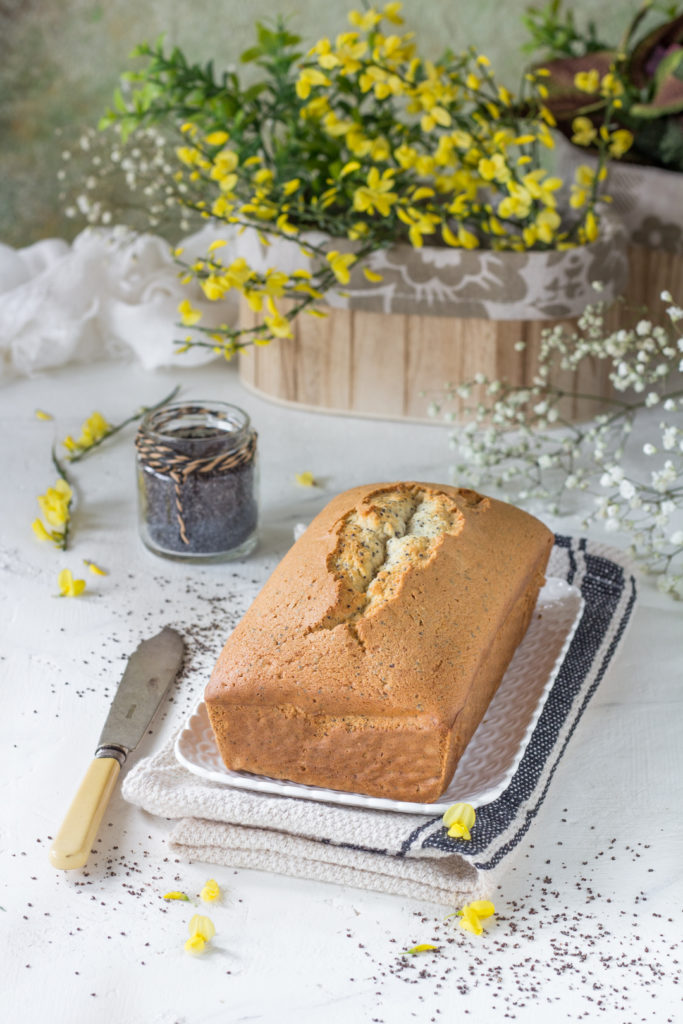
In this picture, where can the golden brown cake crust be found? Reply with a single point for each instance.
(368, 659)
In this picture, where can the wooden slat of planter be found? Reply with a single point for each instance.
(379, 357)
(393, 366)
(652, 271)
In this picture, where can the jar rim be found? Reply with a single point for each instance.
(173, 410)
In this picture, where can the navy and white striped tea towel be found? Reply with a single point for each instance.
(400, 853)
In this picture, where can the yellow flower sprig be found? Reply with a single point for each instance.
(96, 429)
(416, 150)
(55, 506)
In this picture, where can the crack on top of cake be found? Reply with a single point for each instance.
(379, 541)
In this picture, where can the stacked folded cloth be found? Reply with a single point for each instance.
(395, 852)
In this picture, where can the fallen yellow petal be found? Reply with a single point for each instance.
(459, 819)
(210, 892)
(305, 479)
(423, 947)
(472, 913)
(372, 275)
(201, 930)
(42, 415)
(39, 530)
(68, 586)
(95, 569)
(176, 896)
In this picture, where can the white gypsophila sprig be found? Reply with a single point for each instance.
(520, 442)
(104, 181)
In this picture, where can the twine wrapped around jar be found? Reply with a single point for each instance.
(196, 474)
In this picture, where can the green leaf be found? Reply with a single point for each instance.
(251, 54)
(119, 101)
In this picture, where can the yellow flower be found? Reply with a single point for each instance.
(176, 896)
(423, 947)
(278, 324)
(42, 415)
(95, 569)
(436, 116)
(308, 78)
(547, 223)
(188, 314)
(376, 195)
(472, 914)
(94, 429)
(364, 20)
(340, 264)
(68, 586)
(217, 138)
(40, 531)
(372, 275)
(611, 86)
(587, 81)
(210, 892)
(459, 819)
(305, 479)
(391, 12)
(54, 504)
(620, 142)
(591, 226)
(201, 930)
(584, 132)
(494, 168)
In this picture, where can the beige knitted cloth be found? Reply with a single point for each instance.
(302, 838)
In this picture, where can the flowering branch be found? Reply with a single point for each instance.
(360, 139)
(519, 442)
(96, 429)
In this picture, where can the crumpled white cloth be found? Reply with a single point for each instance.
(109, 292)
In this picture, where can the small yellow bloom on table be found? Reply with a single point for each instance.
(201, 930)
(472, 915)
(68, 586)
(459, 819)
(210, 892)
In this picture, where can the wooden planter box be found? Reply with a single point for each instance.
(438, 318)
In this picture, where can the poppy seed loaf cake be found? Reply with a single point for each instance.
(371, 654)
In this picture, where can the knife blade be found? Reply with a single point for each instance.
(149, 672)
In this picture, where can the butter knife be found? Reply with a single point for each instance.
(149, 672)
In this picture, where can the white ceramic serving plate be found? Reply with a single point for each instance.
(493, 753)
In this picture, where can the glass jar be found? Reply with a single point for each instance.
(197, 481)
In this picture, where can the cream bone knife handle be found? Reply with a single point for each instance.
(73, 843)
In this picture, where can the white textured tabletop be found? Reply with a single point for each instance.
(588, 922)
